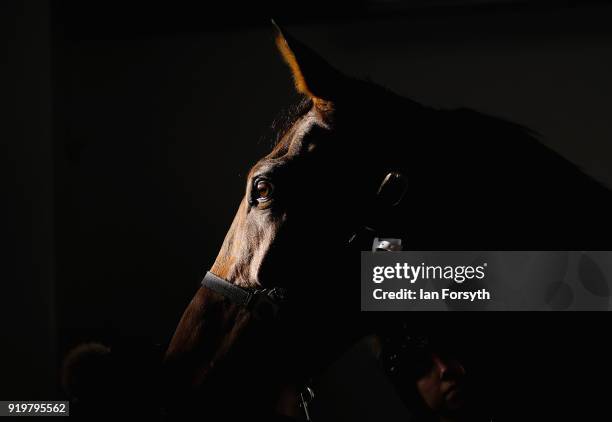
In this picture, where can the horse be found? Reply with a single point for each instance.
(472, 181)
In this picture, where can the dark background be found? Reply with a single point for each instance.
(128, 130)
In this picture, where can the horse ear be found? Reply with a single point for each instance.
(312, 75)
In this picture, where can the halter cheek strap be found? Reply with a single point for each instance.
(263, 303)
(390, 194)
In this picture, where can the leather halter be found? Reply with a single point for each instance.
(263, 303)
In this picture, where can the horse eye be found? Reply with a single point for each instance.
(263, 190)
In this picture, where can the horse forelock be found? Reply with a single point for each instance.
(285, 121)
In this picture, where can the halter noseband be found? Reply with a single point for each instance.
(263, 303)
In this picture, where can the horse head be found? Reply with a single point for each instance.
(302, 204)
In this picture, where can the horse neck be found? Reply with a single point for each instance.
(484, 183)
(218, 360)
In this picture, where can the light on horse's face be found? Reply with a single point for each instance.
(296, 198)
(296, 206)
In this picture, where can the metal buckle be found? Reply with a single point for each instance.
(265, 303)
(386, 245)
(392, 189)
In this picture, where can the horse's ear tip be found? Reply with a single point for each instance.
(277, 28)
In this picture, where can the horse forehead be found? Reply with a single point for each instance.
(298, 141)
(303, 133)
